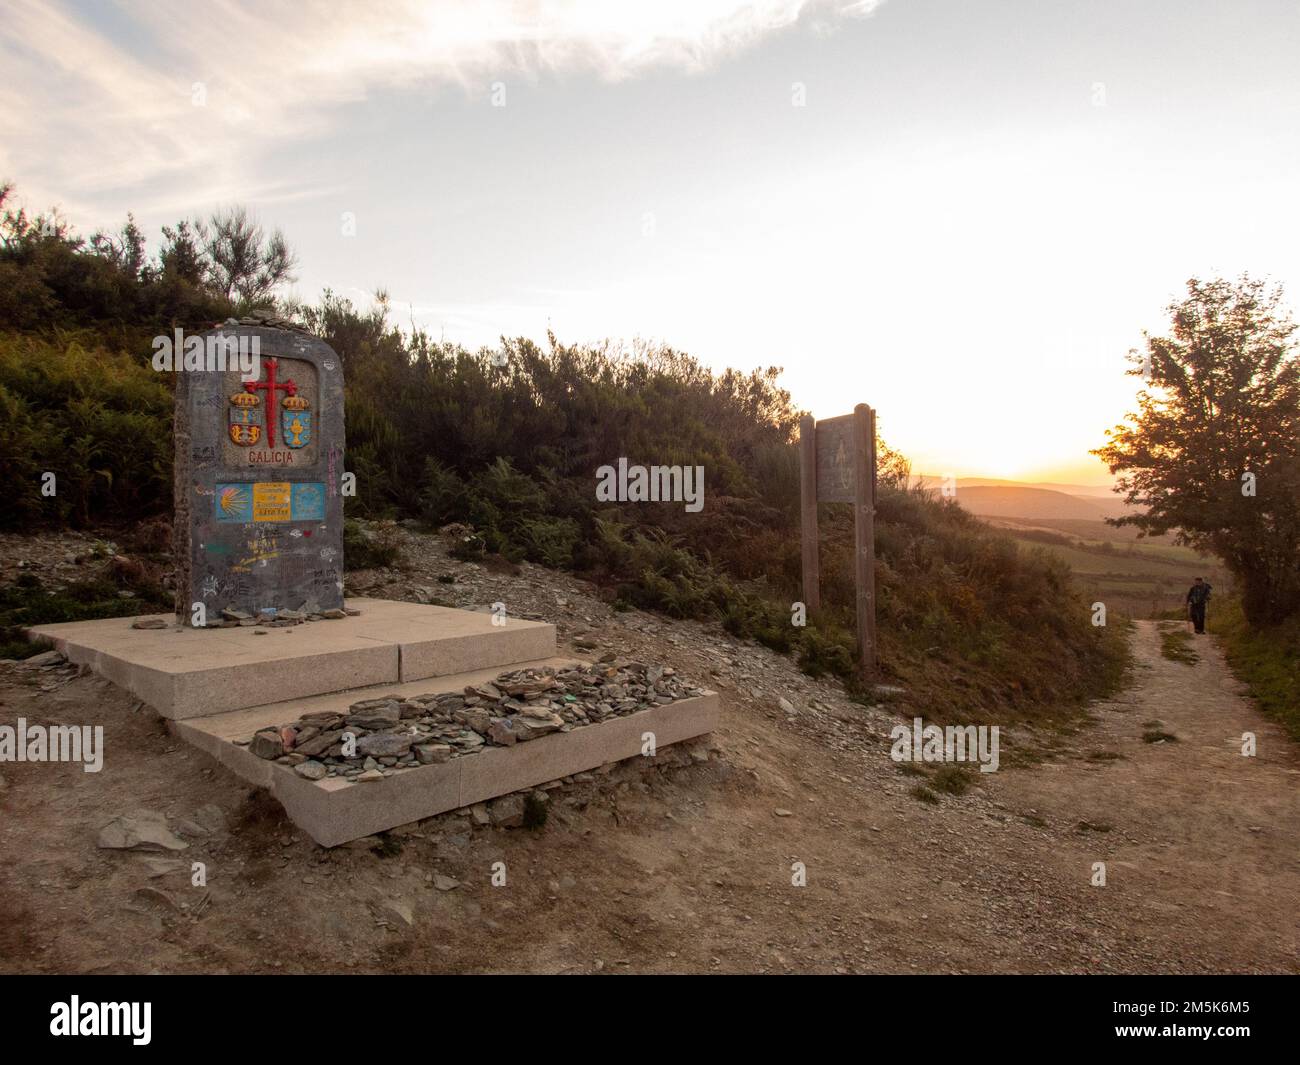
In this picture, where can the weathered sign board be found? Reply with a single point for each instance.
(258, 470)
(838, 465)
(834, 438)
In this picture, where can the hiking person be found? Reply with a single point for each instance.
(1197, 596)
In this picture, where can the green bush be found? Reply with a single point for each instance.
(98, 420)
(820, 654)
(469, 548)
(549, 541)
(371, 547)
(28, 602)
(1267, 659)
(442, 498)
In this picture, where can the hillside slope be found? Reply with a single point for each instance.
(665, 867)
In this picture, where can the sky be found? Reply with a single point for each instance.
(963, 214)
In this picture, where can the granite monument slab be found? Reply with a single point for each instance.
(258, 480)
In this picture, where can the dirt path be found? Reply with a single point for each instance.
(689, 868)
(1203, 846)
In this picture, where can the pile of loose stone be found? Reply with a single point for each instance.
(392, 733)
(266, 619)
(259, 317)
(278, 619)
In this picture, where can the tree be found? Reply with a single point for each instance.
(51, 278)
(242, 261)
(18, 228)
(181, 257)
(124, 249)
(1212, 453)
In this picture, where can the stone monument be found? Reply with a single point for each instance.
(259, 539)
(258, 476)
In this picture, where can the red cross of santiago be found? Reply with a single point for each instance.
(271, 386)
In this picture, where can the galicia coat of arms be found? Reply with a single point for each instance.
(246, 421)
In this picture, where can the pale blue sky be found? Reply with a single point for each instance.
(970, 221)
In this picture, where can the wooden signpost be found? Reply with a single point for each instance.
(837, 464)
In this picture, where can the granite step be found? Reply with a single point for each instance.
(186, 673)
(334, 810)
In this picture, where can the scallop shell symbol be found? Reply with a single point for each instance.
(233, 500)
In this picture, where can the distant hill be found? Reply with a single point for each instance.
(993, 498)
(1100, 491)
(1006, 501)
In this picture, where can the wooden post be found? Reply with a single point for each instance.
(873, 477)
(864, 533)
(812, 593)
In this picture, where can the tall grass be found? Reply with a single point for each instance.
(1267, 659)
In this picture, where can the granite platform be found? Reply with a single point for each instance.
(183, 672)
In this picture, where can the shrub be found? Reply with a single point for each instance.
(950, 779)
(442, 499)
(468, 548)
(99, 420)
(28, 602)
(549, 541)
(1267, 658)
(370, 548)
(820, 654)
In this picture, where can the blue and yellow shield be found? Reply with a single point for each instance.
(296, 425)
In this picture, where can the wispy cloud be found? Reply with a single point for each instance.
(153, 94)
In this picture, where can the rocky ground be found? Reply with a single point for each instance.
(796, 845)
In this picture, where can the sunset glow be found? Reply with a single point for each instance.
(964, 215)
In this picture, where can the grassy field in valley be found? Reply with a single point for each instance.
(1141, 578)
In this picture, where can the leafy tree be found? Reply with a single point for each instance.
(243, 262)
(124, 249)
(181, 256)
(1212, 451)
(51, 278)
